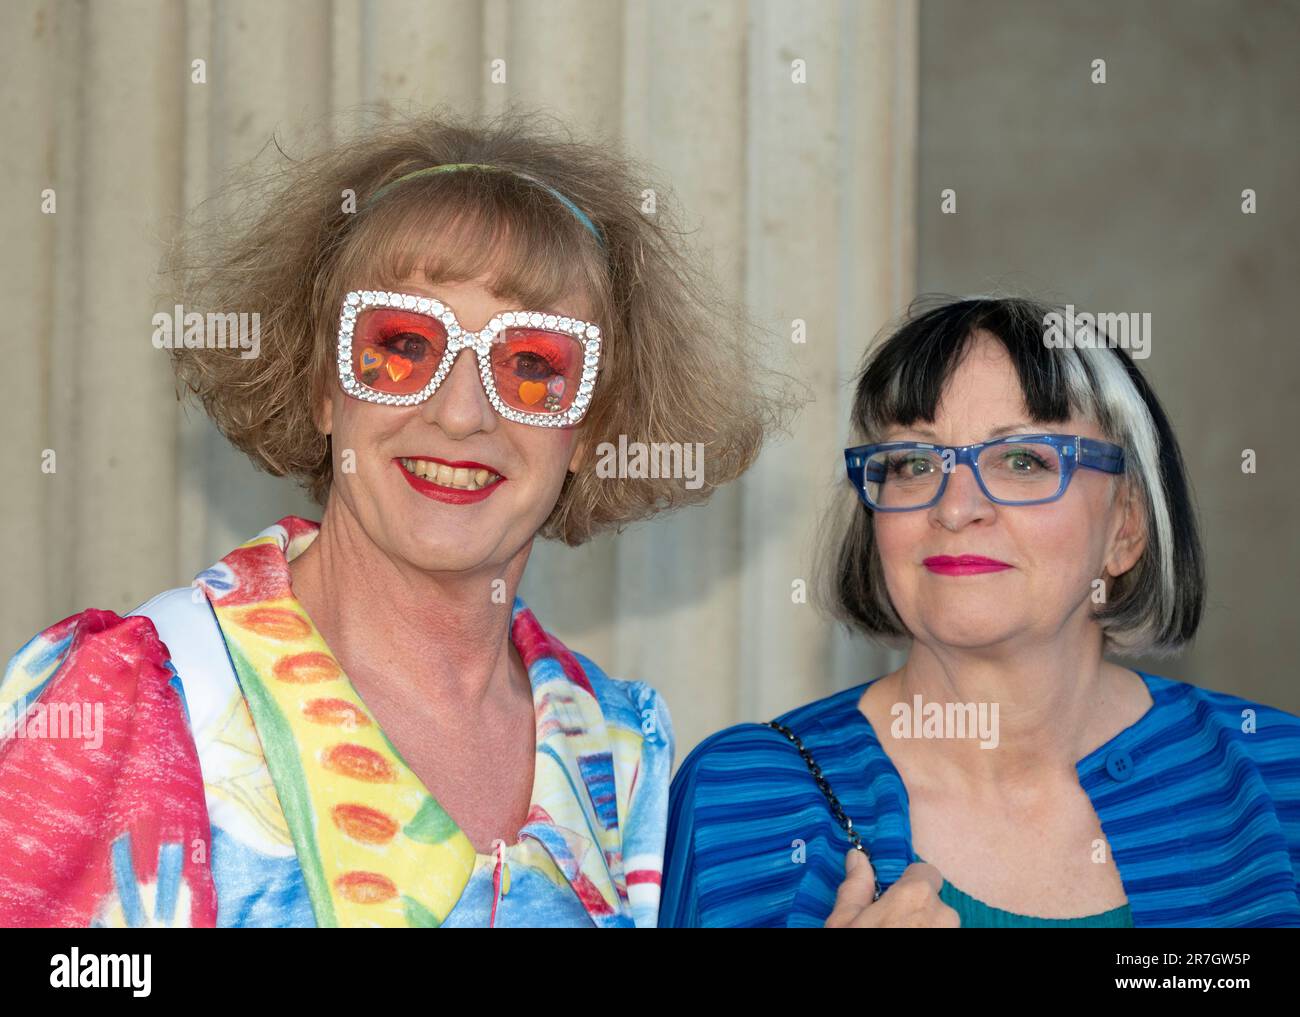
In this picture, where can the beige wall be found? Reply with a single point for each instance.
(1127, 196)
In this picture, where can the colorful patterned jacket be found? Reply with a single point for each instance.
(205, 761)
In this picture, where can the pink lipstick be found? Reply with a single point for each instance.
(963, 565)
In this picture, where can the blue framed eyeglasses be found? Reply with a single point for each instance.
(1024, 469)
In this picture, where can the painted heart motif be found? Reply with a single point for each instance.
(371, 358)
(398, 367)
(531, 392)
(556, 385)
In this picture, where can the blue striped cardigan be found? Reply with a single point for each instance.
(1202, 816)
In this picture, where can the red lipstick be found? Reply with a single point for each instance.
(963, 565)
(450, 495)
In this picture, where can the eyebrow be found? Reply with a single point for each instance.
(997, 432)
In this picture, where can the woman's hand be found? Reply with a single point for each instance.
(913, 902)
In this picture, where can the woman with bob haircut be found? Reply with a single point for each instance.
(358, 722)
(1017, 511)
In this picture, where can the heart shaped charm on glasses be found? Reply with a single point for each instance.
(398, 367)
(531, 392)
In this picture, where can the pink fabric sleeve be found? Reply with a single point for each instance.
(103, 819)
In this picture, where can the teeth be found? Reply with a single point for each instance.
(460, 478)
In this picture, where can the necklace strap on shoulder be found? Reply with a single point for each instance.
(837, 810)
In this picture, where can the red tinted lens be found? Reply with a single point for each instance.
(536, 370)
(396, 352)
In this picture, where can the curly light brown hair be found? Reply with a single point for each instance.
(679, 364)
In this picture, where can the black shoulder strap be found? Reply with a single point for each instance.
(837, 810)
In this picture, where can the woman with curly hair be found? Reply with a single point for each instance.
(359, 722)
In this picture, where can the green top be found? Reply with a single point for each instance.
(975, 914)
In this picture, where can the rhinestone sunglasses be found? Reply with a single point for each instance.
(537, 368)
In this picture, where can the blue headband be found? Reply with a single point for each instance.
(578, 213)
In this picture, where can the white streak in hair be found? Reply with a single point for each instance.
(1113, 398)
